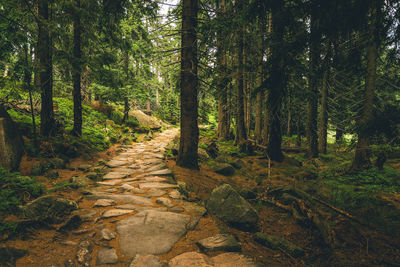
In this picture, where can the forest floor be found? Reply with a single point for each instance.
(148, 180)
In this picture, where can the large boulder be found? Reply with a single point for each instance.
(224, 169)
(11, 143)
(145, 120)
(227, 204)
(49, 209)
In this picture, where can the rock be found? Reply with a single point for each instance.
(72, 222)
(49, 208)
(146, 261)
(80, 181)
(54, 265)
(85, 214)
(164, 201)
(231, 259)
(145, 120)
(116, 163)
(126, 198)
(106, 234)
(9, 255)
(224, 169)
(276, 242)
(104, 203)
(11, 143)
(37, 169)
(226, 204)
(156, 185)
(151, 227)
(52, 174)
(238, 164)
(176, 209)
(191, 259)
(92, 175)
(126, 187)
(247, 193)
(175, 194)
(84, 167)
(167, 180)
(57, 163)
(220, 242)
(111, 183)
(84, 253)
(155, 193)
(114, 175)
(115, 213)
(126, 207)
(158, 167)
(107, 256)
(165, 172)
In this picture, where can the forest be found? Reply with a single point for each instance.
(244, 132)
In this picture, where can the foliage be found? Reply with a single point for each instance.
(15, 189)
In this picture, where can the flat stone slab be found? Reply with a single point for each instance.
(107, 256)
(126, 207)
(115, 175)
(158, 179)
(106, 234)
(155, 193)
(156, 185)
(116, 163)
(146, 261)
(221, 242)
(126, 187)
(175, 194)
(200, 260)
(157, 231)
(104, 203)
(165, 172)
(158, 167)
(128, 171)
(86, 215)
(111, 182)
(115, 213)
(126, 198)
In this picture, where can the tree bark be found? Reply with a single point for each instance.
(240, 121)
(47, 126)
(312, 109)
(258, 118)
(363, 151)
(77, 71)
(187, 154)
(223, 112)
(323, 124)
(265, 130)
(277, 87)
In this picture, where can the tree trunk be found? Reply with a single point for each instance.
(187, 155)
(363, 152)
(298, 138)
(312, 110)
(265, 131)
(77, 72)
(258, 118)
(47, 126)
(126, 110)
(223, 113)
(240, 122)
(289, 117)
(323, 124)
(338, 136)
(277, 87)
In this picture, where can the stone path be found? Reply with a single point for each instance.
(138, 210)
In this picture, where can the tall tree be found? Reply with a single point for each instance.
(260, 54)
(265, 130)
(47, 126)
(312, 112)
(77, 71)
(323, 123)
(363, 152)
(187, 154)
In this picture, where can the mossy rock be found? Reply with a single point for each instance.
(38, 168)
(224, 169)
(49, 209)
(52, 174)
(57, 163)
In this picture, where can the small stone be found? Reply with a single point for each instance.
(276, 242)
(156, 185)
(164, 201)
(84, 167)
(106, 234)
(68, 243)
(156, 193)
(107, 256)
(146, 261)
(175, 194)
(220, 242)
(115, 175)
(190, 259)
(86, 215)
(84, 253)
(165, 172)
(104, 203)
(115, 213)
(126, 207)
(37, 169)
(80, 181)
(138, 191)
(111, 182)
(176, 209)
(116, 163)
(57, 163)
(52, 174)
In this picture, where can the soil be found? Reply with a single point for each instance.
(356, 245)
